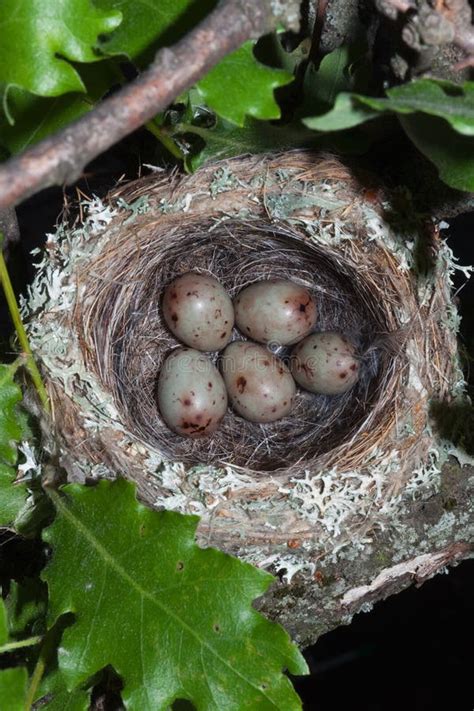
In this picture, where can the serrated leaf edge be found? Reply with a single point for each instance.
(60, 505)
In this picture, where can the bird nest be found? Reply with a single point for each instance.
(334, 465)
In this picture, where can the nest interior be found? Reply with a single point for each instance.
(131, 339)
(98, 330)
(358, 285)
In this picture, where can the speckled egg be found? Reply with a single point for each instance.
(191, 394)
(325, 363)
(275, 311)
(259, 384)
(198, 311)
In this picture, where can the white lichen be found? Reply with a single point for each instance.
(426, 477)
(336, 503)
(30, 467)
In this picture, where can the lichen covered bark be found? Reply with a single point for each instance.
(424, 537)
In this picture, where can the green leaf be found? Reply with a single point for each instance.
(452, 153)
(346, 113)
(342, 70)
(39, 35)
(53, 689)
(240, 86)
(225, 139)
(76, 700)
(449, 101)
(322, 85)
(10, 427)
(270, 50)
(433, 113)
(150, 24)
(4, 633)
(26, 607)
(13, 685)
(434, 97)
(12, 496)
(7, 627)
(13, 682)
(36, 117)
(326, 90)
(174, 620)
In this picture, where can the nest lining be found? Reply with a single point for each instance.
(131, 340)
(99, 333)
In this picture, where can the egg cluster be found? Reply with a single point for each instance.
(193, 395)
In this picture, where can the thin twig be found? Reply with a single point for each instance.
(61, 158)
(166, 140)
(20, 331)
(314, 52)
(49, 644)
(19, 644)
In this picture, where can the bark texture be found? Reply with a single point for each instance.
(428, 535)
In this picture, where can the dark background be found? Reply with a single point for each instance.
(412, 651)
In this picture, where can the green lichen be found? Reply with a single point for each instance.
(282, 206)
(223, 181)
(140, 206)
(166, 206)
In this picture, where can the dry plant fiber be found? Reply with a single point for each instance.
(334, 462)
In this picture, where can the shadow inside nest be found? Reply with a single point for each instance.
(131, 339)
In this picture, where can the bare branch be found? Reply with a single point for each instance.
(464, 39)
(418, 570)
(315, 52)
(426, 534)
(61, 158)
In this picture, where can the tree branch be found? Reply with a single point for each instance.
(320, 13)
(418, 570)
(435, 23)
(61, 158)
(424, 536)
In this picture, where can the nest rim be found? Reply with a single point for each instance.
(352, 481)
